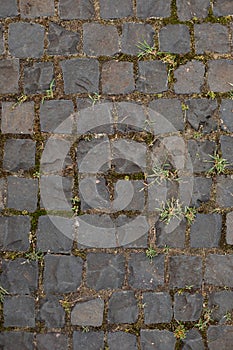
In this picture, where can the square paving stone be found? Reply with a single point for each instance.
(201, 191)
(62, 41)
(200, 153)
(22, 193)
(144, 273)
(211, 37)
(220, 73)
(186, 10)
(169, 108)
(152, 77)
(229, 232)
(171, 235)
(76, 9)
(157, 307)
(185, 270)
(130, 117)
(88, 313)
(123, 307)
(220, 303)
(226, 143)
(129, 195)
(9, 75)
(226, 115)
(2, 46)
(117, 77)
(81, 75)
(119, 9)
(55, 341)
(38, 77)
(93, 193)
(24, 340)
(206, 231)
(219, 270)
(202, 114)
(224, 191)
(62, 274)
(91, 340)
(55, 234)
(222, 8)
(187, 307)
(55, 116)
(100, 40)
(56, 192)
(132, 232)
(33, 9)
(193, 340)
(189, 78)
(163, 340)
(19, 276)
(122, 340)
(18, 120)
(19, 154)
(51, 312)
(26, 40)
(174, 38)
(14, 233)
(220, 337)
(19, 311)
(152, 8)
(105, 271)
(8, 8)
(135, 33)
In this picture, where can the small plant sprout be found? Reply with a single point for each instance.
(160, 173)
(197, 135)
(189, 214)
(85, 329)
(219, 164)
(170, 210)
(94, 98)
(36, 174)
(151, 253)
(180, 331)
(34, 256)
(166, 249)
(145, 49)
(20, 100)
(49, 92)
(211, 95)
(228, 316)
(204, 321)
(184, 107)
(3, 292)
(75, 204)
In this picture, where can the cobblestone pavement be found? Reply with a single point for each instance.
(116, 186)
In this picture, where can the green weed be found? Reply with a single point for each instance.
(219, 164)
(94, 98)
(49, 92)
(145, 49)
(3, 292)
(180, 331)
(151, 253)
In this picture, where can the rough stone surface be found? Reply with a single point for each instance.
(152, 8)
(8, 9)
(62, 274)
(38, 77)
(122, 340)
(201, 191)
(132, 232)
(100, 40)
(105, 271)
(81, 75)
(224, 191)
(19, 276)
(145, 274)
(123, 307)
(76, 9)
(56, 341)
(19, 155)
(90, 340)
(117, 77)
(220, 337)
(111, 10)
(152, 77)
(220, 303)
(55, 234)
(164, 340)
(169, 235)
(9, 75)
(193, 340)
(226, 143)
(35, 9)
(93, 193)
(135, 188)
(185, 270)
(2, 194)
(215, 265)
(18, 120)
(135, 33)
(14, 233)
(199, 152)
(62, 41)
(24, 340)
(130, 117)
(229, 232)
(226, 115)
(51, 312)
(189, 78)
(174, 38)
(211, 37)
(187, 307)
(220, 73)
(202, 114)
(55, 158)
(24, 311)
(2, 45)
(22, 193)
(206, 231)
(88, 313)
(189, 9)
(26, 40)
(222, 8)
(158, 307)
